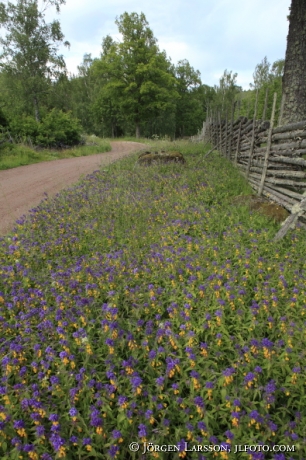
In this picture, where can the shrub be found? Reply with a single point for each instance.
(24, 127)
(58, 129)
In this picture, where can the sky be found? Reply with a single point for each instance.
(213, 35)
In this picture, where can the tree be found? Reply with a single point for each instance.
(267, 80)
(30, 49)
(82, 92)
(105, 106)
(136, 73)
(226, 92)
(189, 110)
(261, 74)
(294, 82)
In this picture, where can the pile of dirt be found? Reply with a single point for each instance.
(148, 158)
(259, 204)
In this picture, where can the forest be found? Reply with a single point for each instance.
(131, 89)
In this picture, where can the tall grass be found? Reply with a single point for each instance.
(14, 155)
(140, 306)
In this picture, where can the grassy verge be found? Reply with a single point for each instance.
(141, 306)
(13, 155)
(142, 140)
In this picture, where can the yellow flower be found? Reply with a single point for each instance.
(235, 422)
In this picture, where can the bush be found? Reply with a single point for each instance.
(58, 129)
(24, 127)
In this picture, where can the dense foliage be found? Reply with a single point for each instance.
(132, 88)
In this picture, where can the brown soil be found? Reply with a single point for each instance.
(263, 206)
(24, 187)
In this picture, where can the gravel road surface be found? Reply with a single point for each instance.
(23, 188)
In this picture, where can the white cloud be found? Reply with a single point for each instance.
(211, 34)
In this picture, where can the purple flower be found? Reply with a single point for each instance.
(122, 400)
(86, 442)
(148, 414)
(152, 354)
(113, 451)
(116, 434)
(270, 387)
(160, 381)
(142, 430)
(28, 448)
(136, 382)
(228, 371)
(194, 375)
(256, 416)
(272, 426)
(73, 412)
(229, 434)
(199, 401)
(19, 424)
(56, 441)
(249, 377)
(40, 430)
(181, 445)
(202, 426)
(296, 370)
(267, 343)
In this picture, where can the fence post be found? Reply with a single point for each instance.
(215, 131)
(265, 106)
(220, 134)
(225, 136)
(265, 166)
(238, 143)
(281, 110)
(239, 107)
(231, 130)
(253, 137)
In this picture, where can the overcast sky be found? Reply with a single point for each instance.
(213, 35)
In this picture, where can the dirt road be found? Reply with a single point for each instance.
(23, 188)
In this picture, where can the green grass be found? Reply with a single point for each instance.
(14, 155)
(142, 306)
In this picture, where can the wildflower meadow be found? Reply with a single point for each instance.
(141, 306)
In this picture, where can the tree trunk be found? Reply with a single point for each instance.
(137, 125)
(294, 82)
(36, 109)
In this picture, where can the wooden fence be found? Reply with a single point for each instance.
(270, 158)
